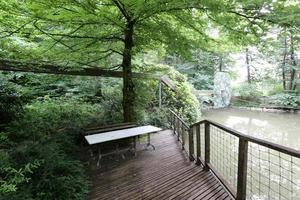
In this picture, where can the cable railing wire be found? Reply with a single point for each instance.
(250, 168)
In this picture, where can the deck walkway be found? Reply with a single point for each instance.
(165, 173)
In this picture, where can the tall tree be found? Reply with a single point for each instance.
(248, 59)
(284, 64)
(109, 33)
(293, 64)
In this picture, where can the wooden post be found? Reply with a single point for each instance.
(182, 135)
(242, 169)
(207, 145)
(171, 120)
(178, 129)
(174, 120)
(198, 144)
(191, 143)
(160, 94)
(174, 124)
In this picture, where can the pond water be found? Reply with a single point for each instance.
(279, 127)
(270, 174)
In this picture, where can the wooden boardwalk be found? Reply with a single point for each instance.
(164, 173)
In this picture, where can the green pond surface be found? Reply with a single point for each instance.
(278, 127)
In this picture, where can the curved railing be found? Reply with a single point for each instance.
(249, 168)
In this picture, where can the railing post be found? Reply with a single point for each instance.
(207, 145)
(191, 143)
(174, 124)
(160, 94)
(178, 129)
(171, 120)
(198, 145)
(182, 135)
(174, 121)
(242, 169)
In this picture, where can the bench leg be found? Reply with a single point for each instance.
(134, 145)
(118, 153)
(149, 143)
(99, 157)
(91, 153)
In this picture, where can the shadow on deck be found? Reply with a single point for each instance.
(165, 173)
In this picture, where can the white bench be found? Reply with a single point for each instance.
(98, 139)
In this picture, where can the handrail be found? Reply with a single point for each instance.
(198, 123)
(181, 129)
(243, 144)
(181, 120)
(265, 143)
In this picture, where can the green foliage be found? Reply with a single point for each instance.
(90, 33)
(109, 95)
(104, 91)
(274, 88)
(10, 101)
(199, 69)
(45, 118)
(13, 177)
(202, 81)
(48, 131)
(183, 101)
(249, 92)
(285, 99)
(157, 116)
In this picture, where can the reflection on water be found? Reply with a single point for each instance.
(281, 128)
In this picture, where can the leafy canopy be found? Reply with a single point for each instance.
(91, 32)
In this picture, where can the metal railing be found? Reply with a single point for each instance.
(180, 129)
(249, 168)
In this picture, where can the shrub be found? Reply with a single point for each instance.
(10, 101)
(248, 92)
(182, 101)
(158, 117)
(275, 89)
(285, 99)
(202, 81)
(47, 132)
(12, 178)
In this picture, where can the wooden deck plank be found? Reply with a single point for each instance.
(166, 185)
(174, 191)
(197, 186)
(183, 192)
(119, 178)
(218, 195)
(209, 192)
(198, 189)
(151, 184)
(174, 163)
(164, 173)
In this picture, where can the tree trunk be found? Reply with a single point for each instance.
(293, 60)
(221, 63)
(283, 64)
(248, 66)
(128, 86)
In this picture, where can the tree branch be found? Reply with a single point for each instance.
(17, 30)
(121, 7)
(18, 66)
(53, 38)
(71, 35)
